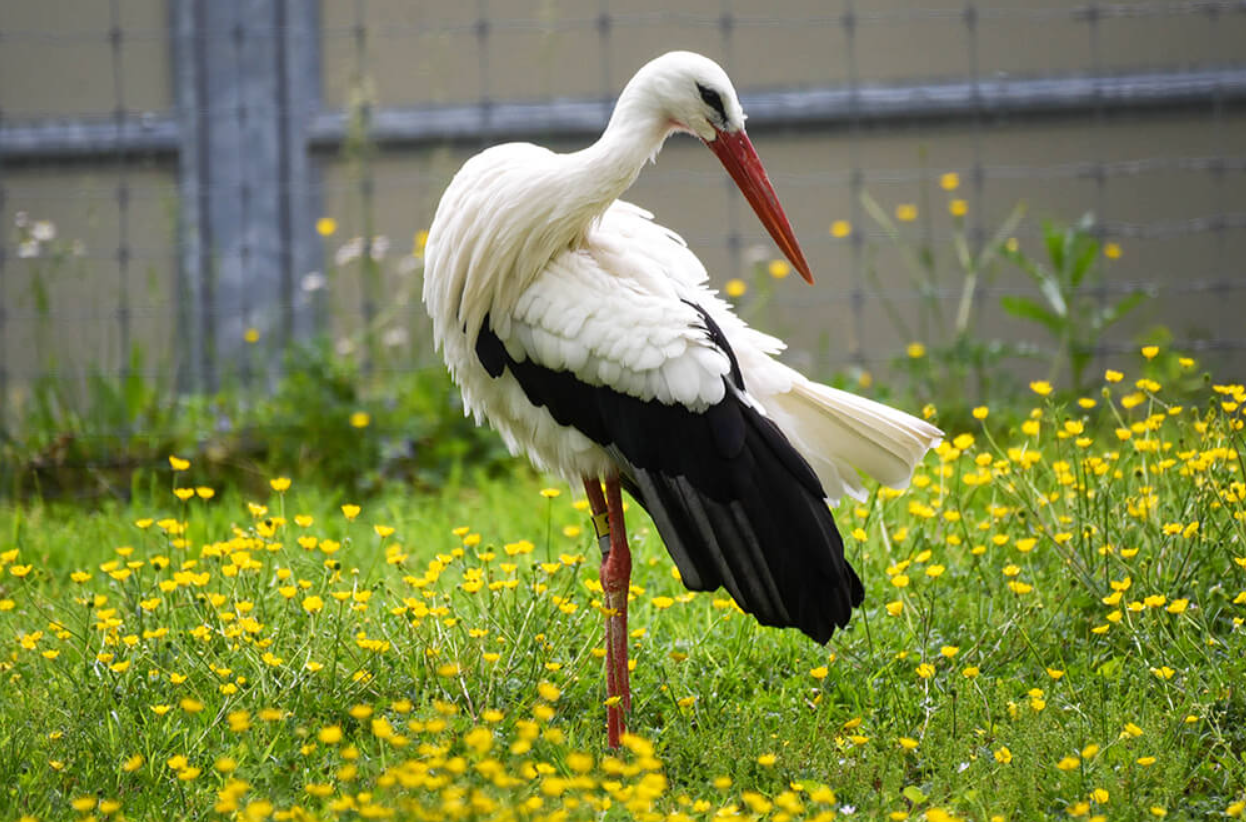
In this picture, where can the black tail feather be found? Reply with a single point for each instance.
(772, 543)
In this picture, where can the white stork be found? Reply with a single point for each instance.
(588, 336)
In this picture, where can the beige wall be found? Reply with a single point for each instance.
(80, 271)
(429, 52)
(56, 60)
(688, 191)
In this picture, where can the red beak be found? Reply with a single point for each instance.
(738, 156)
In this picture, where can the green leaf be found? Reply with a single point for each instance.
(1055, 237)
(914, 794)
(1111, 669)
(1086, 253)
(1028, 309)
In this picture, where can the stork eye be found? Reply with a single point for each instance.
(713, 100)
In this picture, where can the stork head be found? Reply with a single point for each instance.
(692, 93)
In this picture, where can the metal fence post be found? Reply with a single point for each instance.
(247, 79)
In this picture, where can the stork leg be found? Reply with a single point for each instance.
(616, 574)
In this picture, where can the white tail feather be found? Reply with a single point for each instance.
(840, 433)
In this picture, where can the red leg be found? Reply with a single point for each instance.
(616, 573)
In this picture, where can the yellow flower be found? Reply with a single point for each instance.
(183, 493)
(906, 212)
(280, 484)
(819, 673)
(908, 743)
(895, 608)
(326, 226)
(1068, 763)
(383, 531)
(980, 413)
(178, 464)
(20, 570)
(950, 651)
(1003, 755)
(971, 672)
(779, 269)
(133, 763)
(1149, 351)
(360, 419)
(1112, 251)
(958, 208)
(330, 734)
(736, 288)
(350, 511)
(1055, 673)
(313, 604)
(1041, 387)
(925, 670)
(550, 493)
(840, 229)
(767, 760)
(915, 350)
(83, 804)
(204, 492)
(949, 181)
(191, 705)
(1146, 761)
(251, 335)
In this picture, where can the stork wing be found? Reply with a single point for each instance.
(608, 342)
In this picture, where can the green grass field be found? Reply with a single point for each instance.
(1053, 628)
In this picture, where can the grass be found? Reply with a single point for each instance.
(1053, 628)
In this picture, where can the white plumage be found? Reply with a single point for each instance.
(577, 280)
(588, 336)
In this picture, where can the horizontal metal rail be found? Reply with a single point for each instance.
(827, 107)
(836, 107)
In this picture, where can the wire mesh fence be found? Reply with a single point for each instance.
(188, 188)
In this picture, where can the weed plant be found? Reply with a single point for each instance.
(1053, 629)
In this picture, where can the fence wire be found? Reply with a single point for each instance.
(238, 177)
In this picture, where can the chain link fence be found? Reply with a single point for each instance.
(188, 188)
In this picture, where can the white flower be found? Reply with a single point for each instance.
(394, 337)
(27, 249)
(380, 245)
(43, 231)
(21, 219)
(756, 255)
(313, 281)
(349, 251)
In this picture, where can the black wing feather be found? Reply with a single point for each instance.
(735, 503)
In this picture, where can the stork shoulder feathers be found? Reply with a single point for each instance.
(619, 319)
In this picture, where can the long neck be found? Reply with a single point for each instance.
(554, 208)
(599, 174)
